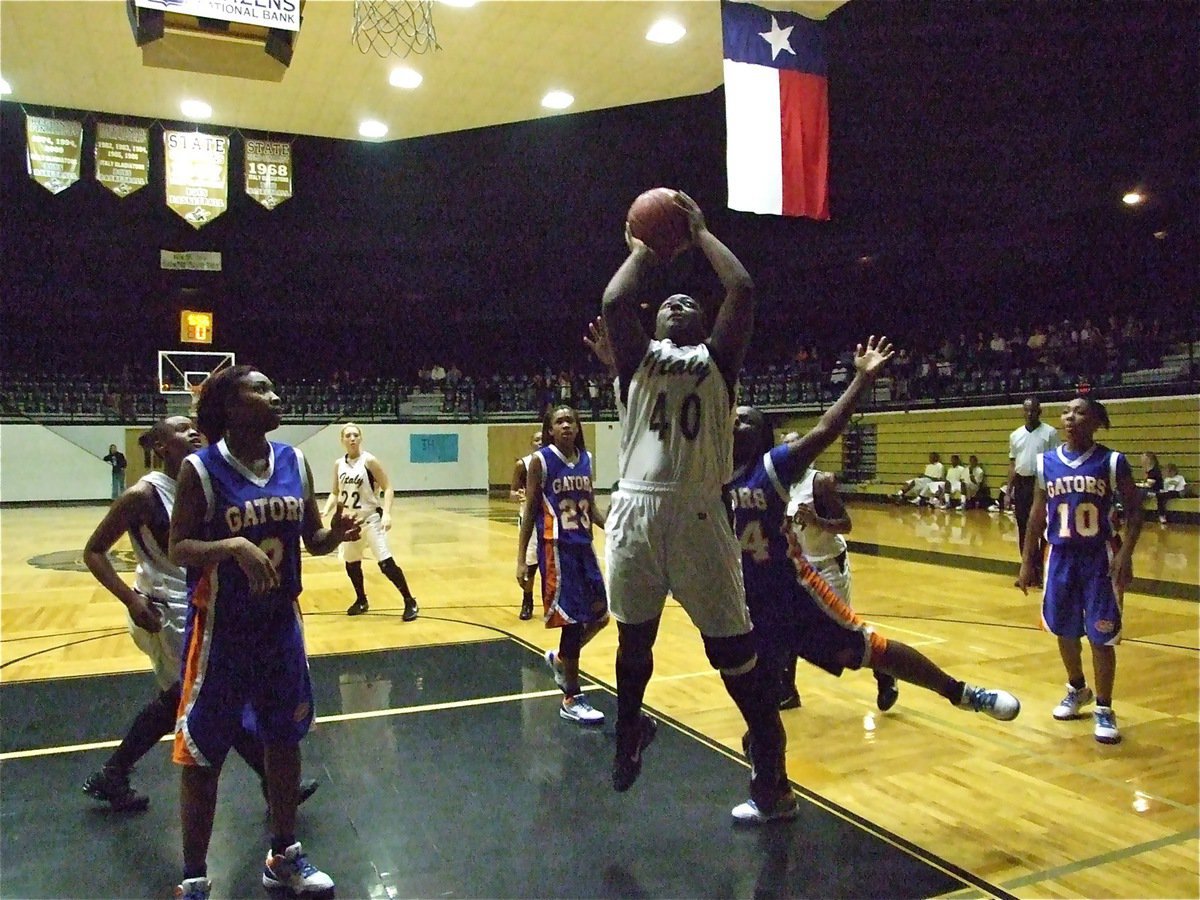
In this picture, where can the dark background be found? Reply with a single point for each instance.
(978, 155)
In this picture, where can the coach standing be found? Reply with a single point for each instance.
(1025, 444)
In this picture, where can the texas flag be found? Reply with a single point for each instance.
(776, 111)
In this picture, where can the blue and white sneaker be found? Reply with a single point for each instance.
(576, 709)
(1076, 699)
(193, 889)
(996, 703)
(1106, 725)
(292, 870)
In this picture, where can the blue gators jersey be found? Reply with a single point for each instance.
(758, 498)
(566, 512)
(1079, 493)
(268, 511)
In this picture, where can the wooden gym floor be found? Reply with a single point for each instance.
(446, 771)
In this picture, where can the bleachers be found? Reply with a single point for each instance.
(1168, 427)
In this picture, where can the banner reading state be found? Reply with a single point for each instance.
(197, 175)
(269, 172)
(122, 157)
(53, 151)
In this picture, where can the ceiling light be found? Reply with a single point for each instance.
(195, 109)
(463, 3)
(665, 31)
(557, 100)
(1160, 235)
(404, 77)
(5, 87)
(1133, 198)
(372, 129)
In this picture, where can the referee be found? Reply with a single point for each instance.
(1025, 444)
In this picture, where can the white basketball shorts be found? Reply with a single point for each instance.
(165, 646)
(679, 543)
(373, 536)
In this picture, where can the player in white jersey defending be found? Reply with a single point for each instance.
(668, 529)
(361, 485)
(516, 491)
(157, 611)
(819, 522)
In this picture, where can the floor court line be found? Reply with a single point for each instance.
(320, 720)
(1101, 859)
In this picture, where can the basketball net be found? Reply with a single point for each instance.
(394, 27)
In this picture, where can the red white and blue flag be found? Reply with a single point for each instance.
(776, 111)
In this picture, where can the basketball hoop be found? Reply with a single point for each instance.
(394, 27)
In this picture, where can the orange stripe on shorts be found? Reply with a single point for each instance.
(833, 605)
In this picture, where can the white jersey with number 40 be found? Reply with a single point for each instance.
(677, 420)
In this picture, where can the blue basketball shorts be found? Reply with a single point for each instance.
(1080, 596)
(241, 671)
(572, 585)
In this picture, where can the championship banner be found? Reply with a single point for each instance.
(197, 175)
(122, 158)
(53, 150)
(268, 172)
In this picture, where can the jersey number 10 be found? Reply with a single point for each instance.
(1087, 520)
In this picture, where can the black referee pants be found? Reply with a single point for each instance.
(1022, 501)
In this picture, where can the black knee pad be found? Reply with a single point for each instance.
(388, 566)
(730, 654)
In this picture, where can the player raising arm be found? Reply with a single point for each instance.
(667, 530)
(795, 610)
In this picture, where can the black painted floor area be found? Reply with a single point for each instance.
(493, 800)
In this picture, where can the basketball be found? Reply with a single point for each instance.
(658, 222)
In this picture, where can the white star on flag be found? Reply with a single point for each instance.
(778, 38)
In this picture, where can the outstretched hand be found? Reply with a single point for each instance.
(695, 216)
(597, 341)
(870, 360)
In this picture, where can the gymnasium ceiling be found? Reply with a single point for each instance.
(497, 59)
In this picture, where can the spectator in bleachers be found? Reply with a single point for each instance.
(1173, 487)
(1036, 343)
(901, 374)
(923, 486)
(838, 374)
(1152, 476)
(999, 349)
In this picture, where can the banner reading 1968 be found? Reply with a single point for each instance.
(52, 152)
(122, 158)
(197, 175)
(268, 172)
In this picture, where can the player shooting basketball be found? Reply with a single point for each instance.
(667, 528)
